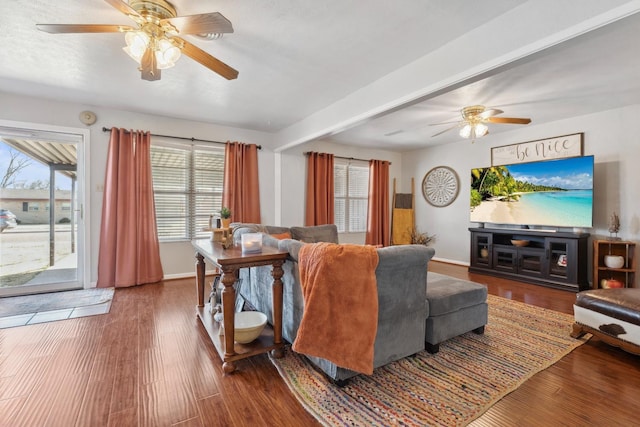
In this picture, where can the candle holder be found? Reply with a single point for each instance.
(251, 242)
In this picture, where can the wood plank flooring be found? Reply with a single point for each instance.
(149, 363)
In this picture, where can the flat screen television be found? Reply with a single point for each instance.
(553, 193)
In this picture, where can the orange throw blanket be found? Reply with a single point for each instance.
(340, 292)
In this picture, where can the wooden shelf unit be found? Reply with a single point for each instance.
(626, 274)
(554, 259)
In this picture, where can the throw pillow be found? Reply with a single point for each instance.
(281, 236)
(316, 233)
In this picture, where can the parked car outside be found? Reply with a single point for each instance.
(7, 220)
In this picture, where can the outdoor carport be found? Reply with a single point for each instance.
(58, 157)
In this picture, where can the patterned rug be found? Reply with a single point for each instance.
(451, 388)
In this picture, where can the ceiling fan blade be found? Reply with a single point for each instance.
(489, 113)
(82, 28)
(446, 130)
(204, 23)
(125, 8)
(149, 66)
(444, 123)
(509, 120)
(207, 60)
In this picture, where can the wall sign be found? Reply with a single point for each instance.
(543, 149)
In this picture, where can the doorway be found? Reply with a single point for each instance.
(42, 199)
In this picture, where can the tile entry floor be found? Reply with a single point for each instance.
(54, 315)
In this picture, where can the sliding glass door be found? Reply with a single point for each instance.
(42, 227)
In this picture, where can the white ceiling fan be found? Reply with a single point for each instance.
(155, 41)
(475, 119)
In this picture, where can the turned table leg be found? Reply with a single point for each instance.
(200, 278)
(228, 279)
(228, 367)
(277, 273)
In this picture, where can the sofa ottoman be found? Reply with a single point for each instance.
(613, 315)
(456, 306)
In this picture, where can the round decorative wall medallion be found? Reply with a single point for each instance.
(440, 186)
(88, 117)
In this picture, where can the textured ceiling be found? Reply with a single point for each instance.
(296, 58)
(594, 72)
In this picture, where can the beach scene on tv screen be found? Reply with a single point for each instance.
(556, 193)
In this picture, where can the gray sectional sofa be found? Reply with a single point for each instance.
(412, 316)
(402, 284)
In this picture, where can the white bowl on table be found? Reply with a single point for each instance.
(248, 326)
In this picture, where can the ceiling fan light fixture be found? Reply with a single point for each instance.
(480, 129)
(474, 130)
(465, 131)
(165, 51)
(137, 43)
(475, 119)
(156, 41)
(166, 54)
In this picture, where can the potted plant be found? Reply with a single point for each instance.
(225, 216)
(418, 238)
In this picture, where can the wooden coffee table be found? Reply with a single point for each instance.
(230, 261)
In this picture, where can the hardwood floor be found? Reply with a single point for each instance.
(149, 363)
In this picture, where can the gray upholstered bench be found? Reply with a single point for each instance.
(456, 306)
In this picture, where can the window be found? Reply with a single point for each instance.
(351, 196)
(187, 185)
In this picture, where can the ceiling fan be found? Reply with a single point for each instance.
(475, 118)
(154, 42)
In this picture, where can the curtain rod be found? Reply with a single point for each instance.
(306, 153)
(106, 129)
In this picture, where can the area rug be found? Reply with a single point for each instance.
(451, 388)
(13, 306)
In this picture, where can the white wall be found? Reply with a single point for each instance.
(293, 178)
(610, 136)
(177, 258)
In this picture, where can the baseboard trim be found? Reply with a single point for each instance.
(169, 277)
(186, 275)
(178, 276)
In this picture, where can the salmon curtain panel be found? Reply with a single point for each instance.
(241, 192)
(378, 229)
(320, 204)
(129, 249)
